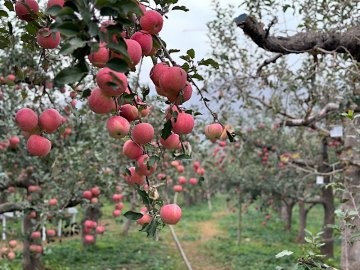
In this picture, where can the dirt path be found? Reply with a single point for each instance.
(196, 250)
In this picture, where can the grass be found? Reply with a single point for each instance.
(260, 243)
(113, 251)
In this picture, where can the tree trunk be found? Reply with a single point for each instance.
(286, 209)
(350, 249)
(327, 197)
(92, 213)
(302, 222)
(208, 195)
(329, 219)
(31, 261)
(239, 220)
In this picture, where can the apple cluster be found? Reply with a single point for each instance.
(33, 126)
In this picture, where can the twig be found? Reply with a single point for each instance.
(267, 62)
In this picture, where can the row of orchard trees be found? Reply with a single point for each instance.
(70, 46)
(303, 95)
(78, 128)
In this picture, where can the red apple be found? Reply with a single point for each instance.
(145, 40)
(146, 218)
(118, 127)
(170, 214)
(116, 213)
(172, 142)
(27, 119)
(111, 83)
(142, 163)
(87, 194)
(152, 22)
(177, 188)
(100, 103)
(38, 146)
(142, 133)
(48, 39)
(26, 9)
(184, 123)
(100, 57)
(182, 180)
(50, 120)
(132, 150)
(53, 202)
(129, 112)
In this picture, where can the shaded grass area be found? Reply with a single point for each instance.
(113, 251)
(261, 242)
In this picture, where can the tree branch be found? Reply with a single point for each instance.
(331, 41)
(11, 207)
(314, 117)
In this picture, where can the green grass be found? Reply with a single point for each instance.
(260, 243)
(113, 251)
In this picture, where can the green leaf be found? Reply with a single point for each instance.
(208, 62)
(152, 160)
(74, 44)
(133, 215)
(3, 13)
(119, 48)
(19, 73)
(4, 42)
(144, 196)
(145, 91)
(9, 5)
(117, 64)
(53, 11)
(86, 93)
(67, 28)
(10, 28)
(31, 29)
(174, 50)
(283, 253)
(191, 53)
(183, 8)
(72, 74)
(150, 228)
(201, 180)
(198, 77)
(230, 136)
(166, 131)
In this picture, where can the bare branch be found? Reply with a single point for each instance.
(267, 62)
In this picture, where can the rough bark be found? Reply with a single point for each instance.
(350, 249)
(302, 222)
(319, 42)
(31, 261)
(286, 213)
(328, 203)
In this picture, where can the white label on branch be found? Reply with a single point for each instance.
(336, 132)
(319, 180)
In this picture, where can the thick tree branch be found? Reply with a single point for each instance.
(11, 207)
(314, 117)
(331, 41)
(20, 206)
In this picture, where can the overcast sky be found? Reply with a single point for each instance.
(186, 30)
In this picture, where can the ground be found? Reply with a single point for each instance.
(208, 238)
